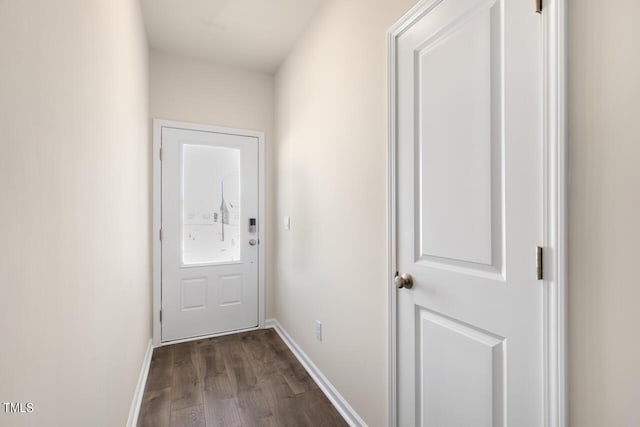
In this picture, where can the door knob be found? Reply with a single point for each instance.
(404, 281)
(253, 242)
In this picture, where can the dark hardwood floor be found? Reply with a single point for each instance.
(246, 379)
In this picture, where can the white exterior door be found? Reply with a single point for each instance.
(469, 216)
(209, 233)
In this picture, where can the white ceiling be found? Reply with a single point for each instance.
(252, 34)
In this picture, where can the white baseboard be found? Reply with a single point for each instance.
(134, 412)
(343, 407)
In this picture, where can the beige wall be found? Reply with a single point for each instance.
(331, 162)
(198, 92)
(604, 222)
(74, 210)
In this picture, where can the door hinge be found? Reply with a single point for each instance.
(160, 234)
(160, 316)
(538, 6)
(539, 267)
(160, 153)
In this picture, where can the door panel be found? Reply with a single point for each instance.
(456, 135)
(461, 380)
(209, 266)
(469, 216)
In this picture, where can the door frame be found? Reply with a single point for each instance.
(158, 124)
(553, 21)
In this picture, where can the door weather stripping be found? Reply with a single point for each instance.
(538, 6)
(539, 270)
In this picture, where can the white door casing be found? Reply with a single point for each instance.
(476, 183)
(208, 262)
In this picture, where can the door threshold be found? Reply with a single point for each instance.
(202, 337)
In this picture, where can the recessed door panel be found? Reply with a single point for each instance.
(194, 293)
(230, 289)
(462, 375)
(458, 144)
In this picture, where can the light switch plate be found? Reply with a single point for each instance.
(287, 223)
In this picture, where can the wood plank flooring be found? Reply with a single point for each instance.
(246, 379)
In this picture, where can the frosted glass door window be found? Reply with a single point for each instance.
(210, 204)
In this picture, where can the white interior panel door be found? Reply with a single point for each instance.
(469, 216)
(209, 248)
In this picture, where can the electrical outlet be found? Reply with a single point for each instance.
(318, 330)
